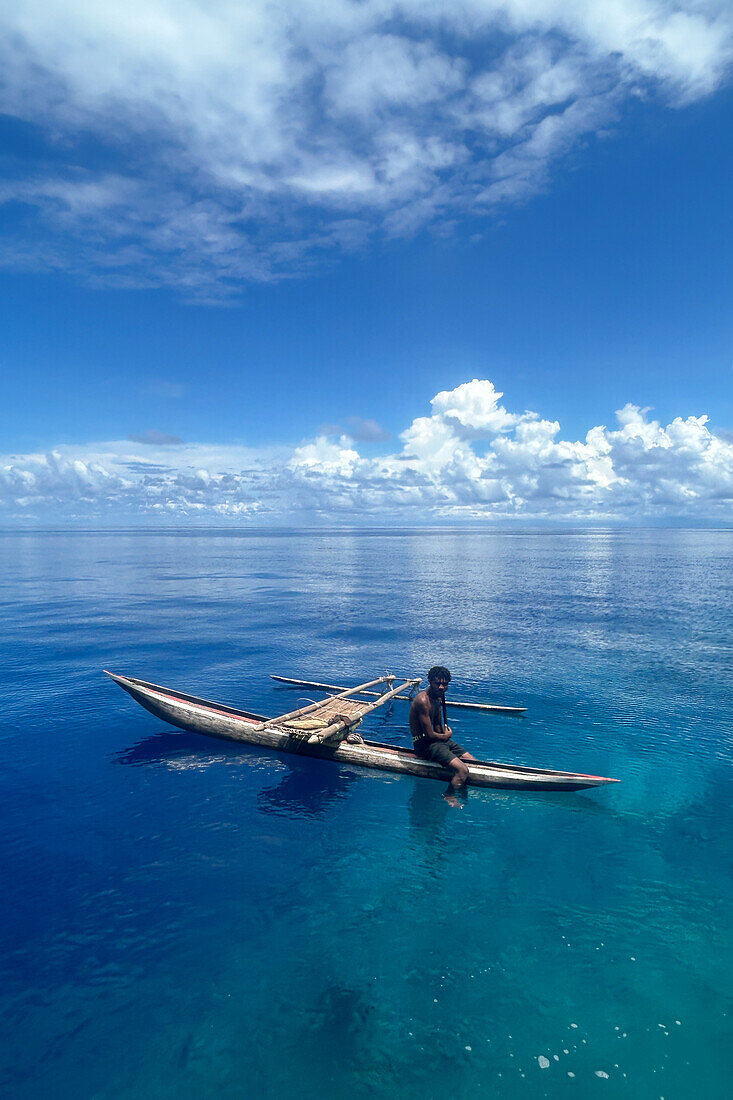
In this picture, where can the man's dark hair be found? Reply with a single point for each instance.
(438, 670)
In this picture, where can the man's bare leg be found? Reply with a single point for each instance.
(457, 781)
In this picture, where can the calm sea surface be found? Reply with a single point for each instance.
(182, 918)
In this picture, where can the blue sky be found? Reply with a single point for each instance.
(245, 251)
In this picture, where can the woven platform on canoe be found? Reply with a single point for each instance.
(332, 710)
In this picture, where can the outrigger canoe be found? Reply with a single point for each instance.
(326, 730)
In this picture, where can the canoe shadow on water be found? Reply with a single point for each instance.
(164, 747)
(307, 787)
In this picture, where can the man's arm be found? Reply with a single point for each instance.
(422, 712)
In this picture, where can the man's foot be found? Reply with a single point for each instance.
(453, 801)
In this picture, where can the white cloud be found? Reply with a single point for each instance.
(432, 443)
(470, 459)
(379, 72)
(325, 458)
(474, 405)
(251, 138)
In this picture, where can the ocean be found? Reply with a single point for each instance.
(185, 918)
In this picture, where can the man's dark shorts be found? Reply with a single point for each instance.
(441, 752)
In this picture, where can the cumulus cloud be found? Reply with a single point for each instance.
(474, 406)
(470, 459)
(248, 141)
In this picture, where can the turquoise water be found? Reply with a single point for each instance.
(186, 918)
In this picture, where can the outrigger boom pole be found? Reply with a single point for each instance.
(337, 727)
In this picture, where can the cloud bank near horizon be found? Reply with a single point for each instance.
(199, 145)
(470, 459)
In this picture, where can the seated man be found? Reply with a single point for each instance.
(432, 737)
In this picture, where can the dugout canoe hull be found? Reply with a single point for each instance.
(189, 712)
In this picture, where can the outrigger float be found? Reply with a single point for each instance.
(327, 730)
(453, 704)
